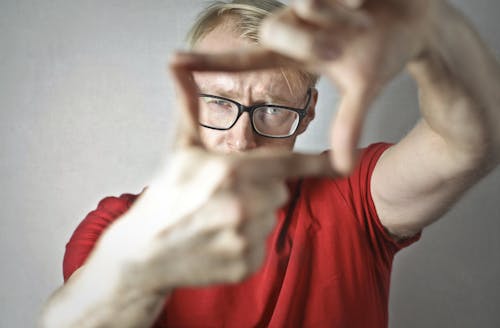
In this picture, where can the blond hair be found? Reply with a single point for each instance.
(246, 17)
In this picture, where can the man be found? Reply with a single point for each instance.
(203, 245)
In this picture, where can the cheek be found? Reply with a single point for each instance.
(212, 139)
(218, 141)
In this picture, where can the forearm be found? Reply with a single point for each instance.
(101, 295)
(71, 307)
(459, 83)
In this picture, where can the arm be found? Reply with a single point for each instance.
(189, 228)
(164, 240)
(360, 49)
(457, 141)
(203, 221)
(96, 296)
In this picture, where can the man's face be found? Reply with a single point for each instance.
(247, 88)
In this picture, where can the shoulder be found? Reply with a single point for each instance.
(350, 194)
(361, 175)
(108, 210)
(115, 205)
(89, 230)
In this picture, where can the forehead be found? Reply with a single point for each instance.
(272, 84)
(221, 38)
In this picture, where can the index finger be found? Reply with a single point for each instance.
(347, 125)
(249, 58)
(263, 165)
(183, 64)
(187, 102)
(352, 4)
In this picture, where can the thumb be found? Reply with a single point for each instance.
(346, 129)
(187, 102)
(352, 4)
(181, 66)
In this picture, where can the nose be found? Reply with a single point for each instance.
(241, 136)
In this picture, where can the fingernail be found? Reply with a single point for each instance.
(329, 53)
(354, 4)
(326, 51)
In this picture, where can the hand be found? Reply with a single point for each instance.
(359, 50)
(206, 218)
(359, 45)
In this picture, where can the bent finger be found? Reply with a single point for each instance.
(228, 243)
(261, 197)
(263, 165)
(223, 210)
(325, 13)
(285, 33)
(307, 41)
(353, 4)
(346, 130)
(187, 103)
(249, 58)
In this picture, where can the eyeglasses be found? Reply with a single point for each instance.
(272, 121)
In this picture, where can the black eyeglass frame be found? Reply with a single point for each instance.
(250, 110)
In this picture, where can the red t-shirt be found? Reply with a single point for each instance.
(328, 262)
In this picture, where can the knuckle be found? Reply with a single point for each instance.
(238, 271)
(255, 257)
(230, 164)
(309, 8)
(240, 246)
(287, 35)
(235, 210)
(269, 222)
(275, 194)
(353, 4)
(282, 193)
(221, 166)
(229, 245)
(228, 172)
(237, 248)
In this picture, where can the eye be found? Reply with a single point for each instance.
(273, 111)
(274, 115)
(216, 105)
(218, 102)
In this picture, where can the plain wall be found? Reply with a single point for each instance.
(86, 112)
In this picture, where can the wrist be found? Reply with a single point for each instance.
(98, 296)
(131, 251)
(441, 65)
(438, 20)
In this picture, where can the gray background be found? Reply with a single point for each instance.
(85, 113)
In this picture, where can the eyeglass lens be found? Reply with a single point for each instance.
(268, 120)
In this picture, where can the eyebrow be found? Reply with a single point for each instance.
(268, 99)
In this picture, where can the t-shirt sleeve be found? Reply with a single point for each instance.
(91, 228)
(362, 202)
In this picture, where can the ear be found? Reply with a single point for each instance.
(311, 112)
